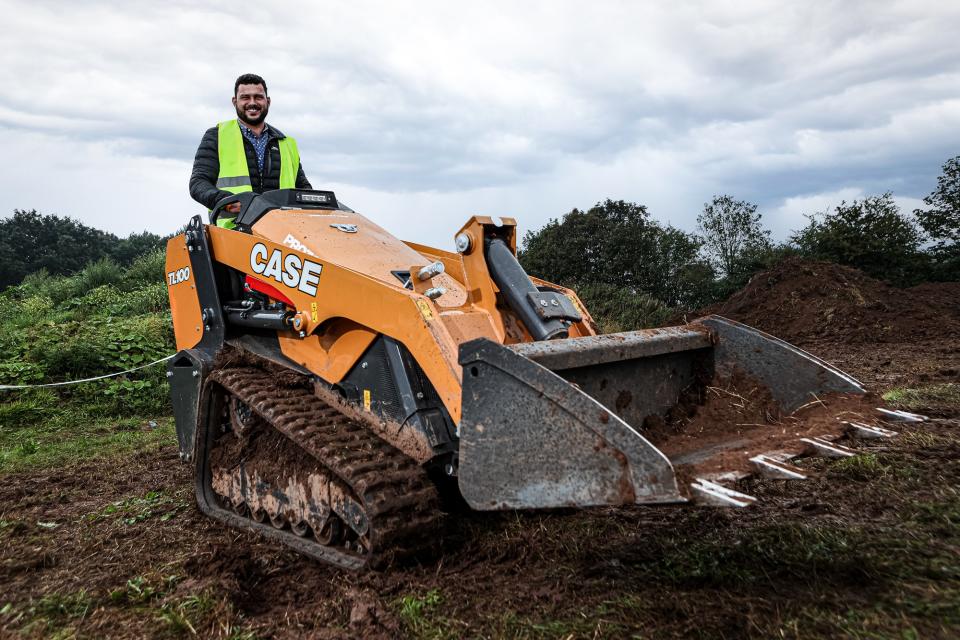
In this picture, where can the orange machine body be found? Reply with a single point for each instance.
(340, 271)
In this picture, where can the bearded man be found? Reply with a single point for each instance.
(245, 154)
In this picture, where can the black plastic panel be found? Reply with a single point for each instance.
(186, 373)
(399, 391)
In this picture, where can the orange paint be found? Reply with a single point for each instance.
(184, 304)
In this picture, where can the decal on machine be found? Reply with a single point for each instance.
(424, 309)
(293, 243)
(290, 269)
(178, 276)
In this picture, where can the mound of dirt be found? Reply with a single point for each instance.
(802, 301)
(718, 427)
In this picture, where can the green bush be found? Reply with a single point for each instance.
(148, 269)
(151, 298)
(617, 309)
(872, 235)
(617, 243)
(64, 360)
(34, 310)
(149, 395)
(98, 273)
(91, 301)
(41, 284)
(23, 408)
(15, 373)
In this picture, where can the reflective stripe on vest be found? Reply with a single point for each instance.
(234, 173)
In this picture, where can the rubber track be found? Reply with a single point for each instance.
(399, 500)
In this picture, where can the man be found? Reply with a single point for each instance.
(245, 154)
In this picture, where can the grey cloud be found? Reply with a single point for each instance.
(762, 101)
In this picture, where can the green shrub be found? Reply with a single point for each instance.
(42, 284)
(148, 269)
(34, 310)
(95, 331)
(94, 300)
(103, 319)
(150, 298)
(149, 395)
(24, 408)
(16, 373)
(132, 341)
(617, 309)
(64, 360)
(35, 282)
(98, 273)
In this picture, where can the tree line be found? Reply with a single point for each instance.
(637, 271)
(31, 241)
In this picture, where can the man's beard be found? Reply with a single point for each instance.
(241, 114)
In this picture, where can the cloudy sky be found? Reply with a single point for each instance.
(420, 114)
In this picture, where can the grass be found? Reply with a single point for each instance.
(137, 509)
(142, 589)
(28, 409)
(154, 595)
(940, 516)
(604, 621)
(941, 398)
(870, 466)
(69, 605)
(921, 439)
(422, 617)
(68, 438)
(189, 615)
(591, 624)
(53, 615)
(60, 615)
(765, 555)
(57, 615)
(911, 613)
(862, 467)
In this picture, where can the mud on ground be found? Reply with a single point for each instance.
(868, 547)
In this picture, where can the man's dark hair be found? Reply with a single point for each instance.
(249, 78)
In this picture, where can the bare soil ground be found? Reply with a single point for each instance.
(869, 547)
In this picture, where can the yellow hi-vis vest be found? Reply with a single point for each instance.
(234, 173)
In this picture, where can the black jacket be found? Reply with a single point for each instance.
(206, 168)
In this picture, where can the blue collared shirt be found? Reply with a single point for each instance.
(259, 142)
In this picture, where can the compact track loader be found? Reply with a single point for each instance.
(332, 382)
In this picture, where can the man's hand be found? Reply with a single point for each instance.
(233, 207)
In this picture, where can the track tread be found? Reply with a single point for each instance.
(399, 500)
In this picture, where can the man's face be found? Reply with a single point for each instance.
(252, 103)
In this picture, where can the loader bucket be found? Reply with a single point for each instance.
(560, 423)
